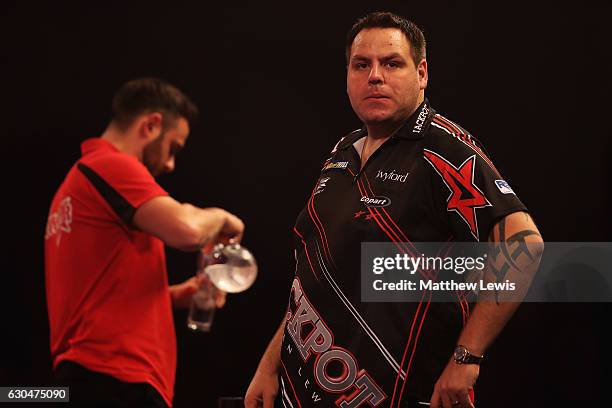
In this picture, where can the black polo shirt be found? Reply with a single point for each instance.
(431, 181)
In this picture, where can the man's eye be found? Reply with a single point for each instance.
(360, 65)
(393, 64)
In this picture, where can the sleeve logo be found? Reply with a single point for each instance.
(504, 187)
(59, 221)
(465, 196)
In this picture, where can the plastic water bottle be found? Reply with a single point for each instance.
(231, 268)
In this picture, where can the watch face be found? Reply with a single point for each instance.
(460, 353)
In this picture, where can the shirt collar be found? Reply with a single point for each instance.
(417, 124)
(414, 128)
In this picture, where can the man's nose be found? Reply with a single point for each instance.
(376, 76)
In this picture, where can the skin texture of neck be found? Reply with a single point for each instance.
(124, 140)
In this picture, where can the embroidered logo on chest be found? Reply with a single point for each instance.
(391, 176)
(321, 185)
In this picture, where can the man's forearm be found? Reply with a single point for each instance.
(184, 226)
(484, 325)
(516, 249)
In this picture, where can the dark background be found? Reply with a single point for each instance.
(529, 79)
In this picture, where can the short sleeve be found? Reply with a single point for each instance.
(123, 182)
(476, 195)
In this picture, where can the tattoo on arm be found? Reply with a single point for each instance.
(510, 249)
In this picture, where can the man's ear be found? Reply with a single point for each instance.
(423, 74)
(151, 126)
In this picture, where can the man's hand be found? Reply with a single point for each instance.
(262, 390)
(454, 386)
(232, 229)
(181, 293)
(264, 385)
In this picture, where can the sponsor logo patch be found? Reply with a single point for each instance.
(377, 201)
(321, 185)
(418, 126)
(504, 187)
(393, 176)
(336, 165)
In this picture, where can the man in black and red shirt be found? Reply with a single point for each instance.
(409, 175)
(110, 306)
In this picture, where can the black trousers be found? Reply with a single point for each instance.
(96, 390)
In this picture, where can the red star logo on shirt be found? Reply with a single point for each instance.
(465, 196)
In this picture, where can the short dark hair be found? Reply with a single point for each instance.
(385, 19)
(146, 95)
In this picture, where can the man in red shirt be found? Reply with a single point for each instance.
(112, 332)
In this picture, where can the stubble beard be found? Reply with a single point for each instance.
(151, 156)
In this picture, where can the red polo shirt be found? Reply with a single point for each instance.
(107, 287)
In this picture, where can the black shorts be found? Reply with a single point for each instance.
(96, 390)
